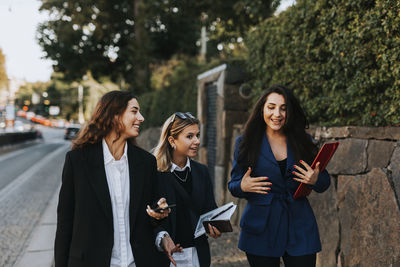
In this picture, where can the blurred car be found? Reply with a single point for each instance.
(19, 126)
(71, 131)
(2, 123)
(30, 115)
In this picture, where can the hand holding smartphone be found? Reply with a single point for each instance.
(159, 209)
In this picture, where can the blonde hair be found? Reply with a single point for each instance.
(173, 126)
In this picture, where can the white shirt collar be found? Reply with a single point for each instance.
(175, 167)
(108, 157)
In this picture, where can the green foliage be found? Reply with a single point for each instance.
(341, 57)
(230, 20)
(149, 47)
(175, 84)
(122, 38)
(96, 36)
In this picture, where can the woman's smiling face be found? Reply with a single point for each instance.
(131, 119)
(275, 112)
(188, 141)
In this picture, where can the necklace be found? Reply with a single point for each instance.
(180, 178)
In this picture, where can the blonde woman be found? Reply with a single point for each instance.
(187, 184)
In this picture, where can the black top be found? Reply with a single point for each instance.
(185, 235)
(282, 166)
(182, 174)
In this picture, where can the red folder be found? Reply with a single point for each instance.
(324, 155)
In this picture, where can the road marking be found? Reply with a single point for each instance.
(27, 174)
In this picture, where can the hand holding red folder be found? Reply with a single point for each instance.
(323, 157)
(306, 175)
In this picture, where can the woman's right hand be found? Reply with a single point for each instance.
(162, 213)
(254, 184)
(170, 248)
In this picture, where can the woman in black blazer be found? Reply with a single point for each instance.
(187, 184)
(107, 182)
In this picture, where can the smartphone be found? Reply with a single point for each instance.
(158, 209)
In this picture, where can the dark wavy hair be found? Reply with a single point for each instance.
(294, 128)
(103, 120)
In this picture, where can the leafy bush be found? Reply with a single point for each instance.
(174, 85)
(341, 57)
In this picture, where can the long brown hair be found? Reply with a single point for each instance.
(294, 129)
(103, 120)
(173, 126)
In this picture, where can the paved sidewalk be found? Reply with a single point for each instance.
(40, 249)
(224, 250)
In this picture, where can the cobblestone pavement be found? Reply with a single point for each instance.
(224, 251)
(23, 200)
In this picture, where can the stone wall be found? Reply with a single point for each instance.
(359, 215)
(359, 218)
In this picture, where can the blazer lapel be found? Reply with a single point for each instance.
(290, 159)
(266, 151)
(97, 177)
(136, 181)
(197, 185)
(170, 192)
(289, 169)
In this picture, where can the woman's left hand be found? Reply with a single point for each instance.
(162, 213)
(214, 233)
(307, 175)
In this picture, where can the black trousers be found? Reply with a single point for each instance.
(290, 261)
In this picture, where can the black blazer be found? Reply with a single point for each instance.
(203, 199)
(84, 236)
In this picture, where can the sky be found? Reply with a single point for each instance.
(18, 23)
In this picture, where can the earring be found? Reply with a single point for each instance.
(174, 147)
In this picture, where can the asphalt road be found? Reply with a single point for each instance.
(29, 177)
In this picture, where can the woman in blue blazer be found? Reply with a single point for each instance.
(271, 159)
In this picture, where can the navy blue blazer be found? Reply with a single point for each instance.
(275, 223)
(202, 197)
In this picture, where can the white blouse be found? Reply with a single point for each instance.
(117, 173)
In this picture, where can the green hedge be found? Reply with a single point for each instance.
(174, 88)
(341, 57)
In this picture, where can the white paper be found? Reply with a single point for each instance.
(207, 217)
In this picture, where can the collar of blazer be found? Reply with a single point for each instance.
(96, 173)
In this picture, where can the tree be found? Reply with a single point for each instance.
(123, 38)
(97, 36)
(230, 20)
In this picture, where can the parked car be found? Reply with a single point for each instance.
(71, 131)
